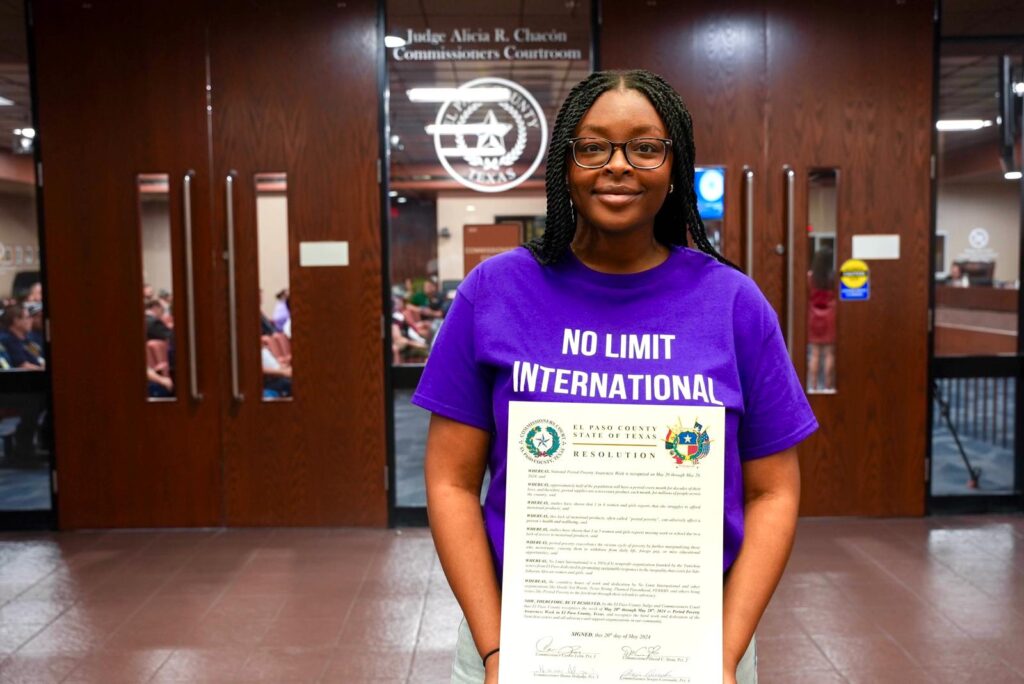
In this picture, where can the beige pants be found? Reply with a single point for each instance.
(467, 668)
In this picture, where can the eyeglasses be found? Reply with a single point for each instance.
(641, 153)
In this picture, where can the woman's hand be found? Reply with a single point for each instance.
(771, 499)
(491, 670)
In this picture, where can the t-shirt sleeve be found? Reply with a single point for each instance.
(776, 414)
(455, 384)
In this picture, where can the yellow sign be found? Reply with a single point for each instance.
(854, 278)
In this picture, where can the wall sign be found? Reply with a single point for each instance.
(854, 281)
(485, 44)
(479, 141)
(978, 247)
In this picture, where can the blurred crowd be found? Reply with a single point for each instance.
(21, 331)
(418, 309)
(275, 345)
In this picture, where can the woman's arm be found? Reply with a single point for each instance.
(771, 499)
(455, 463)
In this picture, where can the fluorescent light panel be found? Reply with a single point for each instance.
(496, 94)
(1013, 175)
(962, 124)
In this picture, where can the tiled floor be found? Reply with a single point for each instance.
(905, 601)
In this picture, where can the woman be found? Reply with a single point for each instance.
(612, 260)
(821, 321)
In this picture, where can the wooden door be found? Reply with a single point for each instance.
(295, 92)
(802, 86)
(113, 103)
(714, 56)
(849, 87)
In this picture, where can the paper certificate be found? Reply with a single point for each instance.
(613, 544)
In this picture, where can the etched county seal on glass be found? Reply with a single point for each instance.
(488, 143)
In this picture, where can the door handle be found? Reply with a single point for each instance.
(229, 211)
(190, 288)
(748, 199)
(790, 225)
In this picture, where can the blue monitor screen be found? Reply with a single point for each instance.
(710, 186)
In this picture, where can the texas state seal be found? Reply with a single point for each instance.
(687, 446)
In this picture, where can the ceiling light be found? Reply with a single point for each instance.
(394, 42)
(962, 124)
(470, 207)
(1013, 175)
(496, 94)
(4, 102)
(402, 200)
(1018, 88)
(393, 193)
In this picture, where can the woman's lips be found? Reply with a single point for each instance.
(616, 197)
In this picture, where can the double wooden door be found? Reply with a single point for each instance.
(800, 101)
(221, 100)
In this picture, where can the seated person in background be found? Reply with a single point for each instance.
(414, 318)
(433, 301)
(167, 300)
(266, 327)
(158, 385)
(406, 342)
(148, 292)
(277, 377)
(282, 311)
(35, 310)
(156, 326)
(23, 352)
(35, 293)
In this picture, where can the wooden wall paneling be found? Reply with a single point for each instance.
(114, 102)
(295, 90)
(714, 56)
(413, 239)
(849, 86)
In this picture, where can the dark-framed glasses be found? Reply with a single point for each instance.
(641, 153)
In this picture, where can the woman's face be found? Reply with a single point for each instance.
(617, 197)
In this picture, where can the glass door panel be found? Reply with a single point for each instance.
(976, 365)
(468, 121)
(26, 440)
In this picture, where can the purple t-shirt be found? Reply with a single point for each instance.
(689, 331)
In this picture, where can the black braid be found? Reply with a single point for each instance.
(677, 216)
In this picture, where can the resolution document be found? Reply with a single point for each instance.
(613, 544)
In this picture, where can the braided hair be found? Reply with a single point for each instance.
(677, 216)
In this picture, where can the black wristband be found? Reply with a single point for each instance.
(489, 654)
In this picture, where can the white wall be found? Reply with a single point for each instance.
(992, 206)
(452, 213)
(17, 229)
(821, 209)
(272, 229)
(156, 243)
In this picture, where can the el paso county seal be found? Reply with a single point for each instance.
(542, 441)
(487, 145)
